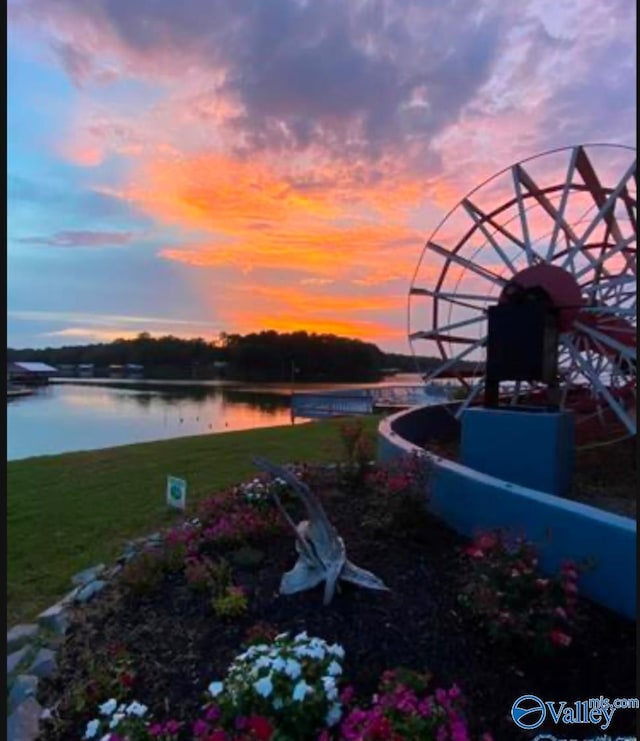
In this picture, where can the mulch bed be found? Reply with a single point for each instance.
(179, 646)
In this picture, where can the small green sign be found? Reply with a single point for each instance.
(176, 492)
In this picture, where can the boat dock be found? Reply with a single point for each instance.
(12, 393)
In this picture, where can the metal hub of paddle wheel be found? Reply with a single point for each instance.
(562, 224)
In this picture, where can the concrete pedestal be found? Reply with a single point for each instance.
(524, 445)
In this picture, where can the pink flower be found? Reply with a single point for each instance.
(213, 713)
(487, 541)
(541, 583)
(347, 695)
(560, 612)
(559, 638)
(200, 728)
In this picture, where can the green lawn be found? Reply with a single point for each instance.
(68, 512)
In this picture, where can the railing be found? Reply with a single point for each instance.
(340, 402)
(330, 404)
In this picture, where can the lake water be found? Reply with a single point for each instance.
(66, 417)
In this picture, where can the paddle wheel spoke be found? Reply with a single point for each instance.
(562, 222)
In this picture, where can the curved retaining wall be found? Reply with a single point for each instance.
(470, 502)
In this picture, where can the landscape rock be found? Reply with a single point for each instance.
(153, 541)
(55, 618)
(45, 664)
(19, 635)
(88, 575)
(131, 549)
(70, 597)
(22, 724)
(90, 590)
(25, 685)
(14, 659)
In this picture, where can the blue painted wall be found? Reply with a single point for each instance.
(533, 448)
(469, 502)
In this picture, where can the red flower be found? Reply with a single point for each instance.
(260, 727)
(559, 638)
(474, 552)
(217, 736)
(126, 679)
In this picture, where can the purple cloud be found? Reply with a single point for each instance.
(81, 238)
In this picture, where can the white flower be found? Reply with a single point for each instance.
(262, 662)
(301, 690)
(316, 652)
(334, 668)
(137, 708)
(264, 686)
(117, 717)
(215, 688)
(334, 714)
(107, 708)
(281, 636)
(278, 664)
(337, 650)
(92, 728)
(293, 668)
(330, 688)
(301, 637)
(278, 704)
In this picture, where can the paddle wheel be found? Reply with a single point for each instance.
(560, 226)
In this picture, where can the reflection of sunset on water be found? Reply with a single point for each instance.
(64, 417)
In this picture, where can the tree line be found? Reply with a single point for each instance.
(261, 356)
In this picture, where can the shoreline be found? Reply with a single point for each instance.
(280, 388)
(68, 511)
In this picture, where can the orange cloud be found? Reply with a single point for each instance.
(288, 308)
(260, 217)
(347, 228)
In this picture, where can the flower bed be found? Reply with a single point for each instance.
(194, 631)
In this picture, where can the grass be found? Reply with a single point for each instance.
(68, 512)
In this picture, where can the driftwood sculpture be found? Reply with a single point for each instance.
(321, 551)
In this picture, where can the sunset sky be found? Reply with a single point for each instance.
(202, 166)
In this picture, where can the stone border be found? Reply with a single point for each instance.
(32, 647)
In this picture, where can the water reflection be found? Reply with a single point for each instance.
(61, 418)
